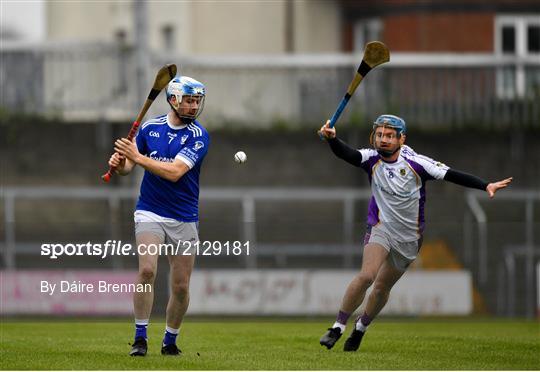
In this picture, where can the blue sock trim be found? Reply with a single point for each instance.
(140, 330)
(169, 338)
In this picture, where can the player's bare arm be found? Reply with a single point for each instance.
(170, 171)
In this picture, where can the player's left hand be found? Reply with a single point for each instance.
(492, 188)
(128, 148)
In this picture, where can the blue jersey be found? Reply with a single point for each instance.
(161, 141)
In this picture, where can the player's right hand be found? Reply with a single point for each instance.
(117, 161)
(326, 131)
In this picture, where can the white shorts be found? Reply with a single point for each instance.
(170, 231)
(400, 254)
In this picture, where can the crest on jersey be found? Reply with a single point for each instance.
(198, 145)
(183, 139)
(402, 171)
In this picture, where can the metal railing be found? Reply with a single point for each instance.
(345, 250)
(248, 199)
(96, 81)
(507, 287)
(527, 249)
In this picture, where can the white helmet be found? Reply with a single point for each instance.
(182, 86)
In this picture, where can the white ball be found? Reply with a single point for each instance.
(240, 157)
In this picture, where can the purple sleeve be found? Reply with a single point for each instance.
(368, 164)
(419, 169)
(428, 169)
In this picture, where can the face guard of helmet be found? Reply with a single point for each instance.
(186, 97)
(387, 135)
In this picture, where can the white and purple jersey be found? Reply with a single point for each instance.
(399, 191)
(158, 139)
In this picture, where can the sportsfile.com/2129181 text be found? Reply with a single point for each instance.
(118, 248)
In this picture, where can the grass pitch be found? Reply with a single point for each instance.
(274, 345)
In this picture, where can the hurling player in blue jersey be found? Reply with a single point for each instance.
(397, 175)
(171, 149)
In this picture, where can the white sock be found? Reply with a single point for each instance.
(340, 326)
(141, 322)
(172, 330)
(360, 327)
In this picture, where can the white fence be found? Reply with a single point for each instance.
(246, 197)
(99, 81)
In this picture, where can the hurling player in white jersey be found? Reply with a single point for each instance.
(171, 149)
(395, 218)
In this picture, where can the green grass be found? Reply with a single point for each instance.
(274, 345)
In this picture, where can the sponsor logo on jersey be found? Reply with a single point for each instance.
(198, 145)
(183, 139)
(190, 154)
(153, 155)
(393, 193)
(153, 134)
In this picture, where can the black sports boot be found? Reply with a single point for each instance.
(330, 337)
(170, 349)
(139, 347)
(352, 343)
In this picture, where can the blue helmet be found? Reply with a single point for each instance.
(391, 121)
(182, 86)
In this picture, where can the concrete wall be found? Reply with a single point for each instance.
(238, 27)
(277, 157)
(317, 26)
(85, 20)
(205, 27)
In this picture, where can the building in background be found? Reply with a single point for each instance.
(452, 61)
(443, 26)
(204, 27)
(433, 33)
(301, 26)
(22, 21)
(500, 27)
